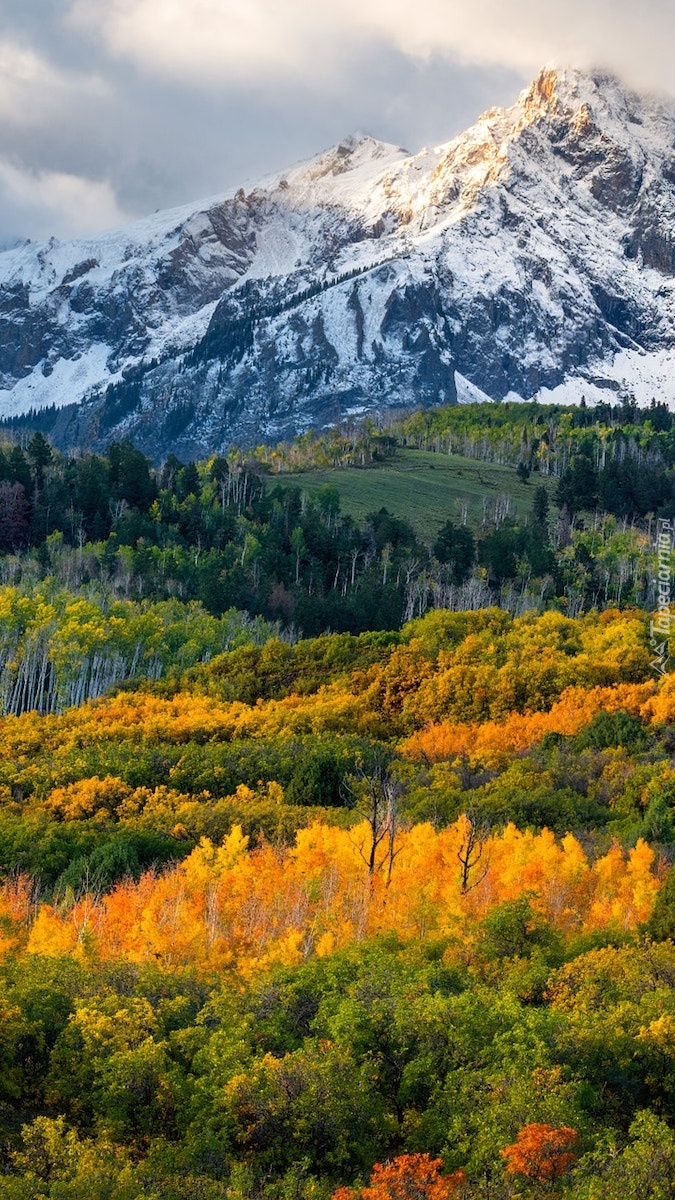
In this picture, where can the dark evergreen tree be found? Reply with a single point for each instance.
(578, 487)
(456, 546)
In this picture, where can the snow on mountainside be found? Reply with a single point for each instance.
(533, 256)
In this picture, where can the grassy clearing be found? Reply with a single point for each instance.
(425, 488)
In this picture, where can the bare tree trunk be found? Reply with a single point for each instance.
(470, 855)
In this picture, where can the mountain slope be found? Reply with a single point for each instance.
(535, 254)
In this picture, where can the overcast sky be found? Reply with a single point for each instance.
(110, 109)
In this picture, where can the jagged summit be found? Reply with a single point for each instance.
(357, 156)
(365, 146)
(532, 255)
(562, 91)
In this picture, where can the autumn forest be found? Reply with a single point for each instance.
(335, 860)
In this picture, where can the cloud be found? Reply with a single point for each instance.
(634, 40)
(216, 41)
(54, 203)
(207, 40)
(170, 100)
(32, 89)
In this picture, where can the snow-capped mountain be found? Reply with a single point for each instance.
(534, 256)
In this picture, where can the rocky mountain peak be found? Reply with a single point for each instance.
(354, 153)
(596, 103)
(533, 255)
(558, 91)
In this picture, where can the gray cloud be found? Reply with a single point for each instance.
(203, 41)
(112, 108)
(48, 200)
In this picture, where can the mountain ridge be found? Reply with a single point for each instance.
(532, 255)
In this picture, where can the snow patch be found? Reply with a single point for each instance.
(468, 393)
(641, 375)
(69, 381)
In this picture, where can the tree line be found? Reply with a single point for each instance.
(227, 534)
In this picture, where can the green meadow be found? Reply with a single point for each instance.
(426, 488)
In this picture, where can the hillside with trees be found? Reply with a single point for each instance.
(306, 892)
(560, 513)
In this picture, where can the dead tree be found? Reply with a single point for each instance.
(375, 792)
(472, 853)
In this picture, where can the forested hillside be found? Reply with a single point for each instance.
(559, 512)
(384, 913)
(305, 909)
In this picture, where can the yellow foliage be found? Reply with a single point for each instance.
(660, 1035)
(226, 905)
(493, 743)
(51, 934)
(88, 798)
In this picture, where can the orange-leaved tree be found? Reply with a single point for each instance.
(541, 1152)
(408, 1177)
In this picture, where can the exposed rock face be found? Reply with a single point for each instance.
(534, 251)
